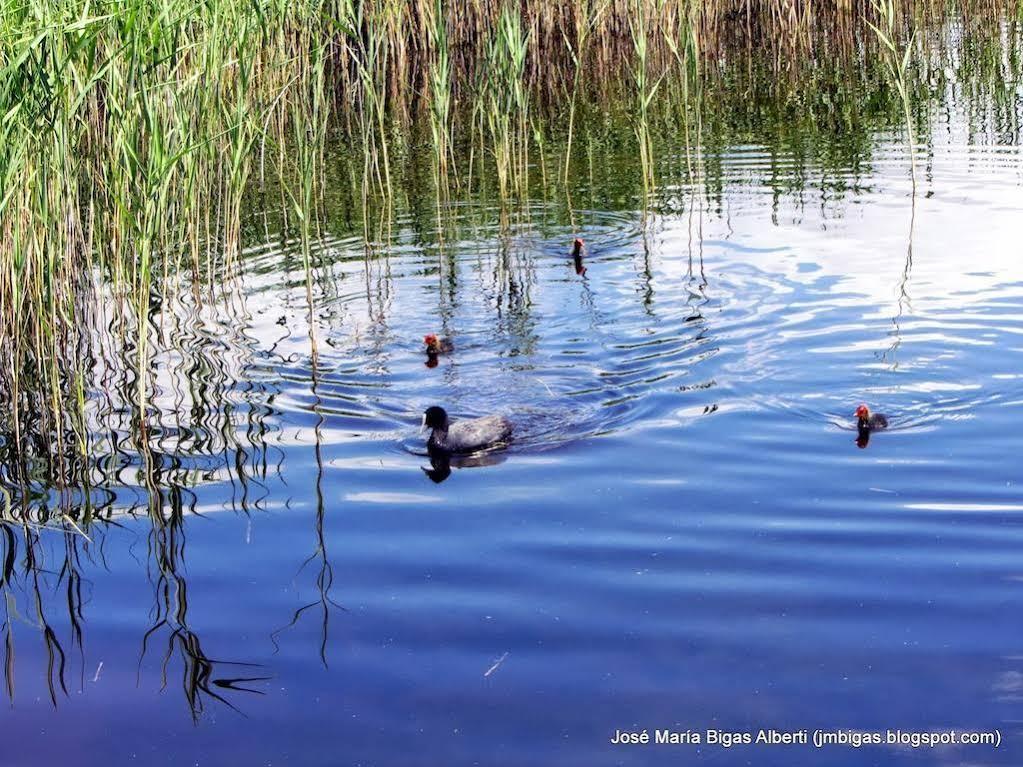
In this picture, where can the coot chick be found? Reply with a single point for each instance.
(464, 436)
(867, 422)
(577, 257)
(435, 345)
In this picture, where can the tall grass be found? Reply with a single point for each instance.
(129, 132)
(503, 108)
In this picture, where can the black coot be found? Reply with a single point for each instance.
(464, 436)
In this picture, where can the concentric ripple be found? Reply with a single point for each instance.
(898, 302)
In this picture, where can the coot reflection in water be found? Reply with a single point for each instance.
(441, 463)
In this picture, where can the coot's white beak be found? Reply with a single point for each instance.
(422, 426)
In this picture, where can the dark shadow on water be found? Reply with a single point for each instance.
(441, 463)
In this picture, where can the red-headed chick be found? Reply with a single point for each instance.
(868, 421)
(435, 345)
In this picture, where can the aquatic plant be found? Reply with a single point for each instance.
(897, 62)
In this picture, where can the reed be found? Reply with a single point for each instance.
(645, 91)
(896, 57)
(440, 93)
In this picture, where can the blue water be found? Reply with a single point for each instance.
(684, 533)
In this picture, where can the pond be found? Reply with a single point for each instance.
(683, 534)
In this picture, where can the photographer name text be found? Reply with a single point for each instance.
(817, 738)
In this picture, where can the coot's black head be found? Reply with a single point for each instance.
(435, 417)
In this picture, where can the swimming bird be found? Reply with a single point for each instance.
(867, 422)
(464, 436)
(577, 257)
(435, 345)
